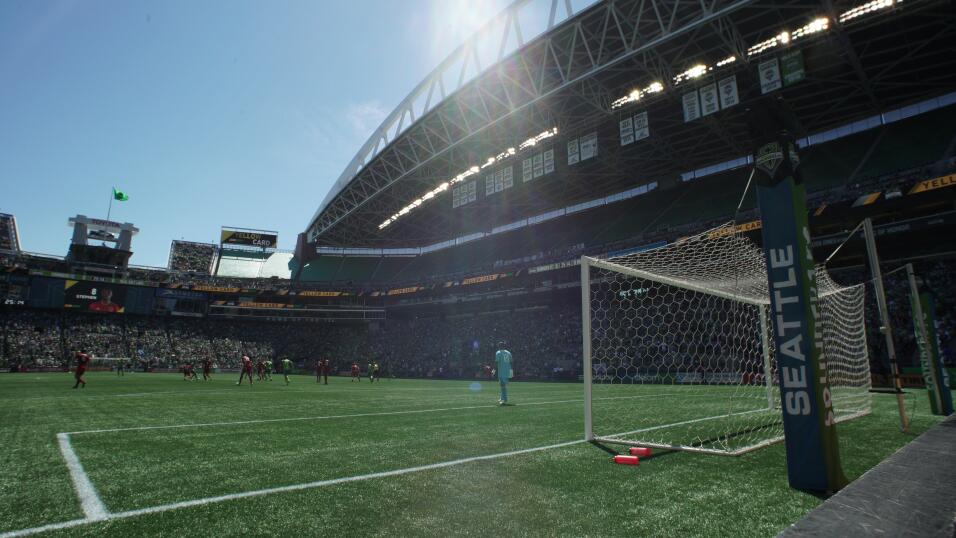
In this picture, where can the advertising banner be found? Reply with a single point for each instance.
(250, 239)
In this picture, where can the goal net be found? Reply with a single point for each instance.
(678, 348)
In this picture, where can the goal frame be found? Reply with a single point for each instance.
(762, 306)
(586, 264)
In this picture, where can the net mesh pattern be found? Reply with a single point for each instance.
(681, 350)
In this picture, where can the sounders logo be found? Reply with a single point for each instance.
(769, 157)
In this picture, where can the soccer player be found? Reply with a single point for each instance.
(119, 369)
(318, 370)
(286, 369)
(326, 368)
(375, 372)
(260, 369)
(206, 369)
(82, 359)
(355, 372)
(105, 304)
(268, 364)
(245, 370)
(193, 374)
(371, 374)
(503, 363)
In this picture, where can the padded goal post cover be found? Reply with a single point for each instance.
(813, 457)
(927, 340)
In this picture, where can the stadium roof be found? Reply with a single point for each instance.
(574, 78)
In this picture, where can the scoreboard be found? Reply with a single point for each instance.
(249, 238)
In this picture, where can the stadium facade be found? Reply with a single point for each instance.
(560, 130)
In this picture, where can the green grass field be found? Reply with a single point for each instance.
(207, 440)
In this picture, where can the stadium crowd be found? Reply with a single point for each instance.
(189, 257)
(545, 340)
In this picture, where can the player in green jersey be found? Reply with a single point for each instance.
(286, 369)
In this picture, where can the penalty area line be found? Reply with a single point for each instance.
(107, 516)
(90, 501)
(110, 516)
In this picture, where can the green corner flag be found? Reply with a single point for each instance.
(119, 195)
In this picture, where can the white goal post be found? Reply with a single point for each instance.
(678, 352)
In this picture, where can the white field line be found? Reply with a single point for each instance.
(281, 489)
(93, 507)
(284, 489)
(354, 415)
(47, 528)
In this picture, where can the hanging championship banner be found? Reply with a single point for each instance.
(627, 131)
(538, 168)
(728, 91)
(769, 72)
(927, 341)
(813, 455)
(589, 146)
(691, 106)
(549, 161)
(709, 103)
(525, 171)
(642, 129)
(574, 154)
(792, 66)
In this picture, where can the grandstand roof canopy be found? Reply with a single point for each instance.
(861, 63)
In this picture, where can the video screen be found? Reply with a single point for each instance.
(99, 297)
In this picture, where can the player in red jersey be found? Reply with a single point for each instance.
(82, 359)
(206, 369)
(105, 304)
(356, 374)
(246, 370)
(260, 369)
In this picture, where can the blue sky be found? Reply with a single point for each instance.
(207, 113)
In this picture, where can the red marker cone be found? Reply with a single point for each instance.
(641, 451)
(626, 460)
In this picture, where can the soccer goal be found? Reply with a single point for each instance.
(678, 352)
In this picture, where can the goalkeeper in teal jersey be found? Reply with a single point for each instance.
(503, 366)
(286, 369)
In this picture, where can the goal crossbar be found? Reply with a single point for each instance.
(677, 283)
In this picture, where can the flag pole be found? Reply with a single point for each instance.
(110, 210)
